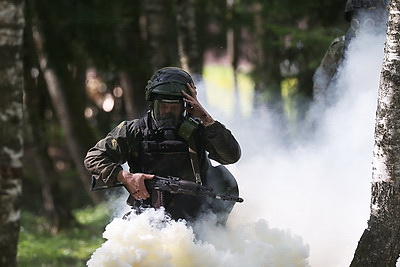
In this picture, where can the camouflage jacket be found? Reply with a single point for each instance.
(325, 74)
(327, 70)
(123, 144)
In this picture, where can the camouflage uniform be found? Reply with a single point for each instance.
(126, 143)
(356, 11)
(325, 73)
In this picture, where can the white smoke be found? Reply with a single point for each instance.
(319, 186)
(316, 189)
(150, 239)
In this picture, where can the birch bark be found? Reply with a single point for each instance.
(380, 242)
(11, 113)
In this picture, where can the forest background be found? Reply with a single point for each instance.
(86, 64)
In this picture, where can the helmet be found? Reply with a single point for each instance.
(169, 82)
(353, 5)
(165, 86)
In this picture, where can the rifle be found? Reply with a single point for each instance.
(175, 185)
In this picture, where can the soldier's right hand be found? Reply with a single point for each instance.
(134, 183)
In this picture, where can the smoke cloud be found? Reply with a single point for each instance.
(306, 198)
(318, 185)
(151, 240)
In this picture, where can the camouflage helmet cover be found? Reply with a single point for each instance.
(168, 81)
(353, 5)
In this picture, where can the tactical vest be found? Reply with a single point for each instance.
(158, 156)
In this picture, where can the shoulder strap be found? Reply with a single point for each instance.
(136, 143)
(145, 125)
(186, 131)
(194, 160)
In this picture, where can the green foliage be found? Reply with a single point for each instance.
(112, 37)
(72, 247)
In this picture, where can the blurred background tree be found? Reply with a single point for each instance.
(11, 120)
(87, 64)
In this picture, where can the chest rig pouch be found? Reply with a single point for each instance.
(167, 151)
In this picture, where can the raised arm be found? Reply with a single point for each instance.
(219, 141)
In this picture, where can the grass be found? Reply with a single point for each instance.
(72, 247)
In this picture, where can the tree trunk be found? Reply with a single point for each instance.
(157, 31)
(58, 214)
(187, 36)
(232, 37)
(57, 97)
(133, 75)
(11, 114)
(380, 242)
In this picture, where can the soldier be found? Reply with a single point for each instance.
(172, 139)
(363, 15)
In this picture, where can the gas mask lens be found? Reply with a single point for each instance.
(365, 25)
(168, 111)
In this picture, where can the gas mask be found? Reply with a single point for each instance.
(168, 112)
(368, 21)
(167, 126)
(174, 123)
(167, 115)
(172, 128)
(366, 25)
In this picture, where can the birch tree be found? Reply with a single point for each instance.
(11, 151)
(380, 242)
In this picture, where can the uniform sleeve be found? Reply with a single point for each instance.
(104, 160)
(221, 144)
(327, 70)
